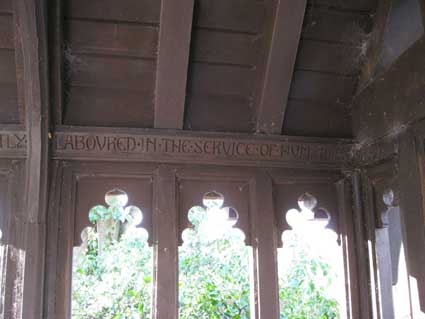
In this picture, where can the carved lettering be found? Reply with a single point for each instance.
(13, 141)
(209, 147)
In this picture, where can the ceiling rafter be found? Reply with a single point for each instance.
(279, 66)
(172, 65)
(31, 28)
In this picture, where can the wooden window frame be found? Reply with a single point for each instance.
(173, 188)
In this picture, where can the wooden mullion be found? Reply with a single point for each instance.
(172, 65)
(165, 235)
(264, 245)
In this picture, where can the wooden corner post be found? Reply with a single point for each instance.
(31, 26)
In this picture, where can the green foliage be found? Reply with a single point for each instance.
(304, 285)
(116, 283)
(214, 273)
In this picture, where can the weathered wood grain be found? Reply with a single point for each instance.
(233, 15)
(137, 11)
(112, 38)
(111, 72)
(9, 113)
(336, 58)
(336, 26)
(6, 32)
(109, 107)
(358, 5)
(317, 86)
(393, 100)
(218, 113)
(313, 118)
(31, 18)
(221, 80)
(215, 46)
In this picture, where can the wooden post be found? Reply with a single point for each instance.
(165, 300)
(265, 303)
(31, 18)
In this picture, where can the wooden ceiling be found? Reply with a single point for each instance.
(248, 66)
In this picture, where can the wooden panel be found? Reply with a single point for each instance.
(339, 26)
(223, 47)
(221, 79)
(109, 107)
(322, 87)
(235, 15)
(217, 113)
(357, 5)
(142, 11)
(328, 57)
(6, 32)
(306, 118)
(6, 6)
(113, 38)
(111, 72)
(7, 67)
(9, 113)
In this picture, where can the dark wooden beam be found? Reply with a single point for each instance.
(172, 66)
(279, 67)
(31, 25)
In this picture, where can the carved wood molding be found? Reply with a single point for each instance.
(206, 148)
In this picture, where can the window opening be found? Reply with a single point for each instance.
(112, 269)
(214, 264)
(311, 273)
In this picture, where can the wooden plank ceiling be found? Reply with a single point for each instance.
(205, 65)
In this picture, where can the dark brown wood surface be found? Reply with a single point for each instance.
(279, 66)
(9, 110)
(31, 25)
(394, 100)
(173, 59)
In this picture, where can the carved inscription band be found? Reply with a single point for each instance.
(168, 147)
(157, 146)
